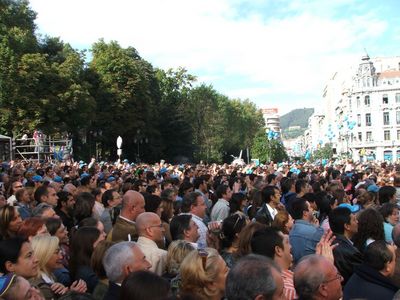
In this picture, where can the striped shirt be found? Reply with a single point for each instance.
(288, 285)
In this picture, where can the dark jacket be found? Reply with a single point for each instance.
(287, 200)
(113, 292)
(367, 283)
(346, 257)
(87, 274)
(263, 216)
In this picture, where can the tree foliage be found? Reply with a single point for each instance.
(46, 84)
(268, 150)
(325, 152)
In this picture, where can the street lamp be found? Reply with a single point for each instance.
(119, 150)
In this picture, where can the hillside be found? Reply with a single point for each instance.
(297, 118)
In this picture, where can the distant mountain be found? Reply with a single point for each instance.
(297, 121)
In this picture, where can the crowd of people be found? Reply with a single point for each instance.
(139, 231)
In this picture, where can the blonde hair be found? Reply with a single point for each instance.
(177, 251)
(44, 247)
(195, 278)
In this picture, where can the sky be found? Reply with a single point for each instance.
(276, 53)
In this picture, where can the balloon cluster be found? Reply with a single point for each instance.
(350, 124)
(307, 156)
(330, 134)
(272, 135)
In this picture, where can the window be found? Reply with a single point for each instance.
(367, 119)
(386, 135)
(398, 117)
(385, 99)
(368, 137)
(358, 120)
(367, 101)
(358, 102)
(386, 120)
(397, 97)
(360, 136)
(398, 135)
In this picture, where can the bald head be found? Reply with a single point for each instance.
(145, 220)
(149, 225)
(132, 205)
(310, 275)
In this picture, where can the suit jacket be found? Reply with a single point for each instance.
(263, 215)
(367, 283)
(113, 292)
(156, 256)
(346, 257)
(122, 228)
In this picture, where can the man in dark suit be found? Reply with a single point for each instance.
(271, 197)
(119, 261)
(124, 228)
(344, 225)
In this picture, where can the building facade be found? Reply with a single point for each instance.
(361, 113)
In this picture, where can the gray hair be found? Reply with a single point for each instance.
(40, 209)
(251, 276)
(115, 258)
(309, 275)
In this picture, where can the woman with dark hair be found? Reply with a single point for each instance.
(231, 228)
(390, 214)
(144, 285)
(325, 204)
(111, 200)
(256, 203)
(16, 256)
(238, 203)
(83, 243)
(370, 228)
(167, 202)
(83, 206)
(10, 222)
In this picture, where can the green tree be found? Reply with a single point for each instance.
(268, 150)
(325, 152)
(129, 99)
(175, 127)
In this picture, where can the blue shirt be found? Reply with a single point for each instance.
(303, 238)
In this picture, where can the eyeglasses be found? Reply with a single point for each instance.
(160, 225)
(203, 255)
(337, 276)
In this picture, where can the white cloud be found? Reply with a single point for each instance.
(284, 57)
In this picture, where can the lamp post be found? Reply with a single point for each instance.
(139, 139)
(119, 150)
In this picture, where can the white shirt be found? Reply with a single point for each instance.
(272, 211)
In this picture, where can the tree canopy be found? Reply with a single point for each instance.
(46, 84)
